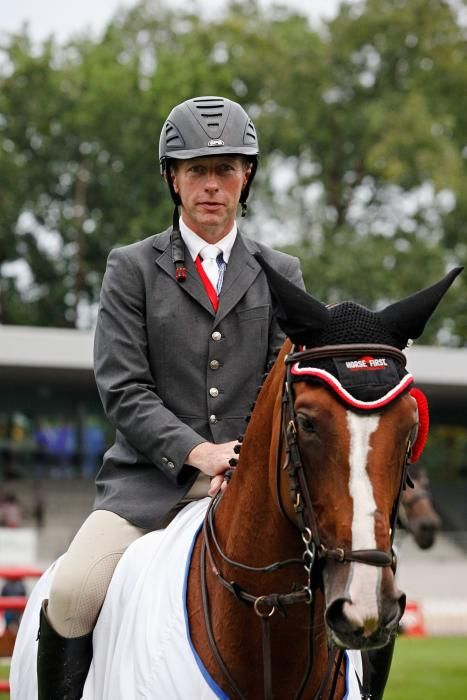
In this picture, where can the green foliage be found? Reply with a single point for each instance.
(362, 132)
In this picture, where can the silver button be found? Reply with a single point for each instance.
(214, 392)
(164, 460)
(213, 418)
(214, 364)
(216, 335)
(171, 465)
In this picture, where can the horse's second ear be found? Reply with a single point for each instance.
(298, 313)
(409, 316)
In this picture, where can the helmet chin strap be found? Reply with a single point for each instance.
(178, 250)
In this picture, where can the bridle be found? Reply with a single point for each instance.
(306, 522)
(304, 511)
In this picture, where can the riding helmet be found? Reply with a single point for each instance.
(208, 126)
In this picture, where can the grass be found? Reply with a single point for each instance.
(4, 670)
(428, 669)
(431, 668)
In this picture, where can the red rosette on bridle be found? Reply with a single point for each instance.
(423, 424)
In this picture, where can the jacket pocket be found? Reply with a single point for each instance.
(254, 313)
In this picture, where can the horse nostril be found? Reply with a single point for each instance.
(394, 611)
(336, 619)
(402, 601)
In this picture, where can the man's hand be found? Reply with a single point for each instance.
(213, 460)
(218, 483)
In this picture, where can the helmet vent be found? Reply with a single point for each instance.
(250, 134)
(211, 114)
(173, 136)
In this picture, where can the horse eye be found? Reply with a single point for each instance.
(305, 424)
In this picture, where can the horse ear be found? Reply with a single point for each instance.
(409, 316)
(297, 312)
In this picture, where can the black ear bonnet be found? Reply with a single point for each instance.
(368, 378)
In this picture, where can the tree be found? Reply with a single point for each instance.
(363, 164)
(379, 195)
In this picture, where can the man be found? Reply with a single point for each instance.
(185, 332)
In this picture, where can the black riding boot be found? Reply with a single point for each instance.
(62, 664)
(376, 666)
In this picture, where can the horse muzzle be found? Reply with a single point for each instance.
(363, 606)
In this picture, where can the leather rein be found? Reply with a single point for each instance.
(266, 605)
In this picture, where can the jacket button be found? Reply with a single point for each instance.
(214, 364)
(171, 465)
(213, 418)
(214, 392)
(216, 335)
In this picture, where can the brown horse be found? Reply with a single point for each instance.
(417, 514)
(294, 562)
(295, 559)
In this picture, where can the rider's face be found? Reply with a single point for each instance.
(210, 190)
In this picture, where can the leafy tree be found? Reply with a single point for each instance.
(380, 187)
(362, 129)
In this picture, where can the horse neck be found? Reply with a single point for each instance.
(251, 529)
(249, 506)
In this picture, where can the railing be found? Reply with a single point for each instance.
(17, 603)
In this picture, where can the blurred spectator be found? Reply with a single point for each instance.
(14, 587)
(38, 511)
(10, 511)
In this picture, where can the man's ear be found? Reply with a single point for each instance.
(247, 174)
(171, 172)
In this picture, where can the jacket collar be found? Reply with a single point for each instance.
(240, 273)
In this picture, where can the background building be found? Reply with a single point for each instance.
(53, 431)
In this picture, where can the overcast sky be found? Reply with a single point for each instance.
(64, 19)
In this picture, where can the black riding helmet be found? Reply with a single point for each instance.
(208, 126)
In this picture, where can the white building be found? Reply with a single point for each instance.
(51, 416)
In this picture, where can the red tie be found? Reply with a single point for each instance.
(211, 292)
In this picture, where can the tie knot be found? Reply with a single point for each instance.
(210, 252)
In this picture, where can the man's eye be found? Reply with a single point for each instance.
(305, 424)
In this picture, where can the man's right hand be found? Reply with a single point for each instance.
(212, 459)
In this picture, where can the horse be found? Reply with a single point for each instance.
(417, 513)
(292, 563)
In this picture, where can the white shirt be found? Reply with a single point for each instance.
(195, 243)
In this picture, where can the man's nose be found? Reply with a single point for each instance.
(212, 182)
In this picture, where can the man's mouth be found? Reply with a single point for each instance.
(211, 205)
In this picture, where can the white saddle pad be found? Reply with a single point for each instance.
(142, 647)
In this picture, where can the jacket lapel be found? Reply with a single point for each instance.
(192, 285)
(240, 274)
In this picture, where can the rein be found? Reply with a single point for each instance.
(265, 606)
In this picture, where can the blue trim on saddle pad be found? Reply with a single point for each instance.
(210, 681)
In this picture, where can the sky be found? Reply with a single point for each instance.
(63, 19)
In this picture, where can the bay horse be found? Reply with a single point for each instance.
(417, 513)
(293, 562)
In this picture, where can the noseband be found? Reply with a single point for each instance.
(266, 605)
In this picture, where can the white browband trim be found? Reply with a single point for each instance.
(344, 394)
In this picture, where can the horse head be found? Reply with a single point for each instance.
(417, 513)
(350, 423)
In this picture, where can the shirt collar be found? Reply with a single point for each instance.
(195, 243)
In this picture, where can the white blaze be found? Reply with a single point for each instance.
(364, 584)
